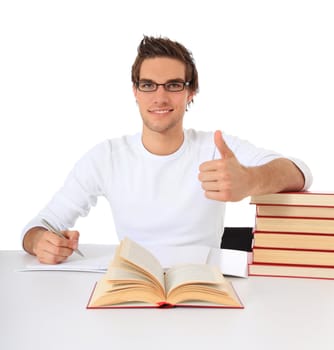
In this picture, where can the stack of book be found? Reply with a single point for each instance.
(294, 235)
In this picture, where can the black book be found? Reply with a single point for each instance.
(237, 238)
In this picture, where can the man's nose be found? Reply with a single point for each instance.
(161, 92)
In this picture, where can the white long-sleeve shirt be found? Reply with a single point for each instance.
(154, 199)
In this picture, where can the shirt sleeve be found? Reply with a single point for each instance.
(250, 155)
(79, 193)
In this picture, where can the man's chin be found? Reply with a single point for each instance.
(160, 128)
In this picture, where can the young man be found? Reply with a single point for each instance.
(165, 185)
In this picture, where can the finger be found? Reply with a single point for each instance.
(72, 235)
(57, 246)
(205, 176)
(211, 186)
(216, 195)
(211, 165)
(70, 241)
(58, 251)
(221, 145)
(73, 238)
(49, 248)
(46, 257)
(57, 241)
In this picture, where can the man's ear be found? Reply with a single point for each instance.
(190, 97)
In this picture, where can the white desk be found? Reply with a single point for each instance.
(46, 310)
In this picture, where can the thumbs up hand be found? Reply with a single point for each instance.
(224, 179)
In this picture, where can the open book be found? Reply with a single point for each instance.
(135, 278)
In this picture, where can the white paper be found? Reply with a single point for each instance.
(99, 264)
(98, 257)
(231, 262)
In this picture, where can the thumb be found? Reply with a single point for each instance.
(222, 147)
(73, 237)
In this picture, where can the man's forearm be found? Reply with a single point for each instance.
(278, 175)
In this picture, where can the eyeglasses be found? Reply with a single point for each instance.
(171, 86)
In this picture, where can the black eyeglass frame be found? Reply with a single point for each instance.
(165, 85)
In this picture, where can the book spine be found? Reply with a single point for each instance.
(293, 257)
(291, 271)
(294, 211)
(294, 225)
(305, 198)
(294, 235)
(287, 240)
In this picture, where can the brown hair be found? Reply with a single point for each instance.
(151, 47)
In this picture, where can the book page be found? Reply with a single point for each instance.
(138, 256)
(107, 293)
(118, 275)
(192, 274)
(175, 255)
(121, 278)
(199, 283)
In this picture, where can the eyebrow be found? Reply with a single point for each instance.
(167, 81)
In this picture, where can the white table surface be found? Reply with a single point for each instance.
(47, 310)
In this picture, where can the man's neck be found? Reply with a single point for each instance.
(162, 144)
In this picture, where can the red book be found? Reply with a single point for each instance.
(296, 211)
(135, 278)
(306, 198)
(276, 270)
(290, 224)
(286, 240)
(293, 257)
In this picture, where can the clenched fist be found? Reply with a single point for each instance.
(224, 179)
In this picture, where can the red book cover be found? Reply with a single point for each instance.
(291, 271)
(294, 211)
(293, 257)
(288, 240)
(294, 225)
(303, 198)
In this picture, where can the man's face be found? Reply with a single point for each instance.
(162, 110)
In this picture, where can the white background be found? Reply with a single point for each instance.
(266, 75)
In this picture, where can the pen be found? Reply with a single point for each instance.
(58, 233)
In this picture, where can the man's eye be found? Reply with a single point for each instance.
(174, 85)
(146, 85)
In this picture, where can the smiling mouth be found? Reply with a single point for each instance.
(161, 111)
